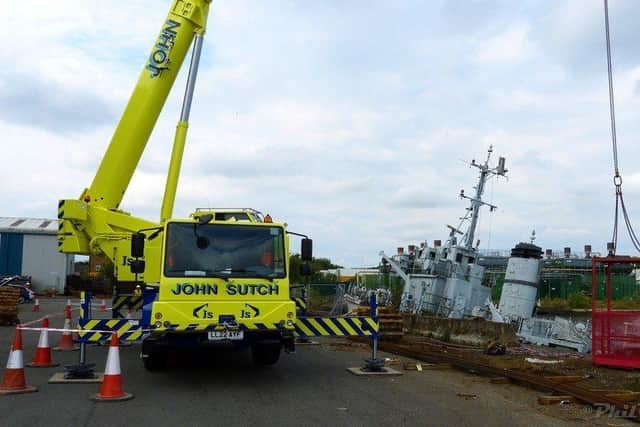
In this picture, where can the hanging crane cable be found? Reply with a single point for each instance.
(617, 178)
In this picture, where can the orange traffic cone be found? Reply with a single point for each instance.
(13, 381)
(103, 306)
(66, 341)
(36, 305)
(111, 387)
(42, 358)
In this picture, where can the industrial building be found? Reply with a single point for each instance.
(29, 247)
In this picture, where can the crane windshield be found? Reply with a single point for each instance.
(224, 250)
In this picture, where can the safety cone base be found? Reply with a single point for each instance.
(98, 398)
(25, 389)
(45, 365)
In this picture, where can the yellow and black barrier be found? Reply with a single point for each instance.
(132, 330)
(301, 303)
(125, 302)
(335, 326)
(127, 330)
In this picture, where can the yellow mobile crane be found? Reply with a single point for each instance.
(222, 274)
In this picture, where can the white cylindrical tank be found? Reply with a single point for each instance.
(520, 288)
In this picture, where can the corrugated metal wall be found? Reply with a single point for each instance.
(11, 253)
(42, 261)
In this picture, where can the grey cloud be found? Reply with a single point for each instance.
(464, 16)
(244, 165)
(45, 104)
(420, 197)
(575, 36)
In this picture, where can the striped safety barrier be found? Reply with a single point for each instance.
(301, 303)
(131, 330)
(128, 330)
(335, 326)
(124, 303)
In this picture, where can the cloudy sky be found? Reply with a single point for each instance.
(349, 120)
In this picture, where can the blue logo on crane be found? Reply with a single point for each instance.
(201, 312)
(159, 58)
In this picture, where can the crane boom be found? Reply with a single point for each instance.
(94, 223)
(184, 21)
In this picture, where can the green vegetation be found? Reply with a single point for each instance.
(319, 301)
(581, 301)
(625, 303)
(317, 264)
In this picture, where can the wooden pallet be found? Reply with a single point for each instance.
(391, 324)
(9, 306)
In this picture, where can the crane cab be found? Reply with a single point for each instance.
(224, 279)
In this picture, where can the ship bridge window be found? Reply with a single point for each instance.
(458, 257)
(432, 255)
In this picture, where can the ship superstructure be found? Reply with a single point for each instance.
(447, 279)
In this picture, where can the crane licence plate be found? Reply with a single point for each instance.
(225, 335)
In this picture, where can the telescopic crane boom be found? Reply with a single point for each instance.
(94, 223)
(186, 21)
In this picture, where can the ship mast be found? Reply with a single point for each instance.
(486, 172)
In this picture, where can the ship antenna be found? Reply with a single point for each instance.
(476, 201)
